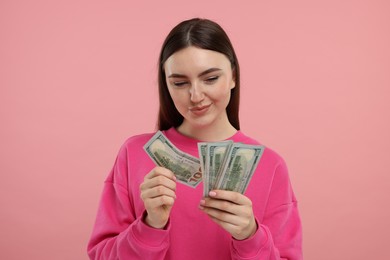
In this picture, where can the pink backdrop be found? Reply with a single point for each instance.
(78, 77)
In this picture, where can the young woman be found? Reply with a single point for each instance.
(145, 214)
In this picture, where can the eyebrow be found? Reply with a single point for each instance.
(175, 75)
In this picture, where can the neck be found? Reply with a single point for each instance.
(210, 133)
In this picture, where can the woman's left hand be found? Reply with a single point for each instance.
(232, 211)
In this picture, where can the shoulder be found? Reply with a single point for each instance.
(135, 143)
(138, 139)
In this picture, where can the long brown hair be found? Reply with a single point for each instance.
(204, 34)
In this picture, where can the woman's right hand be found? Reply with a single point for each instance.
(158, 195)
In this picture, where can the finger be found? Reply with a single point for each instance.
(157, 171)
(159, 180)
(226, 225)
(159, 201)
(232, 196)
(223, 216)
(221, 205)
(158, 191)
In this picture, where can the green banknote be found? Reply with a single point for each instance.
(186, 168)
(215, 161)
(202, 149)
(221, 165)
(239, 167)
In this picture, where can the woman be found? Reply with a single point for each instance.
(145, 214)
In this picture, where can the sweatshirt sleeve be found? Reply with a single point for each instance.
(279, 235)
(118, 233)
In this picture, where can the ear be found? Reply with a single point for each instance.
(233, 83)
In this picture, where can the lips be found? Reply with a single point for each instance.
(198, 110)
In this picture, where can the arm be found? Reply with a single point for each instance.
(118, 233)
(277, 236)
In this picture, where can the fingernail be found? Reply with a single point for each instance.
(201, 207)
(212, 193)
(202, 202)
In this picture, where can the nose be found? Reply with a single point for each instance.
(196, 93)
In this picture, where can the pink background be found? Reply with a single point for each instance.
(78, 77)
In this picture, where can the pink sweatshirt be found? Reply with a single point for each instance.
(120, 231)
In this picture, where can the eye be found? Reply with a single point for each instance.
(180, 83)
(211, 80)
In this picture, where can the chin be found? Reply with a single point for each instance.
(199, 124)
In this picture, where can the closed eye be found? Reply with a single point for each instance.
(179, 83)
(211, 80)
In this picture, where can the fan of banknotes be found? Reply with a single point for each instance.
(221, 165)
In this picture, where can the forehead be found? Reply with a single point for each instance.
(193, 59)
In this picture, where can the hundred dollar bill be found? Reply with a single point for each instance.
(214, 162)
(202, 149)
(239, 167)
(186, 168)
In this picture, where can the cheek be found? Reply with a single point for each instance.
(178, 99)
(227, 97)
(223, 94)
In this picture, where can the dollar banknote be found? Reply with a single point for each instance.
(186, 168)
(239, 166)
(221, 165)
(202, 149)
(215, 159)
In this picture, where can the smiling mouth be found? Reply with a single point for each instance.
(199, 108)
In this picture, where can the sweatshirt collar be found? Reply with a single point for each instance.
(186, 142)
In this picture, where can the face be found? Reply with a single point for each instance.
(199, 82)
